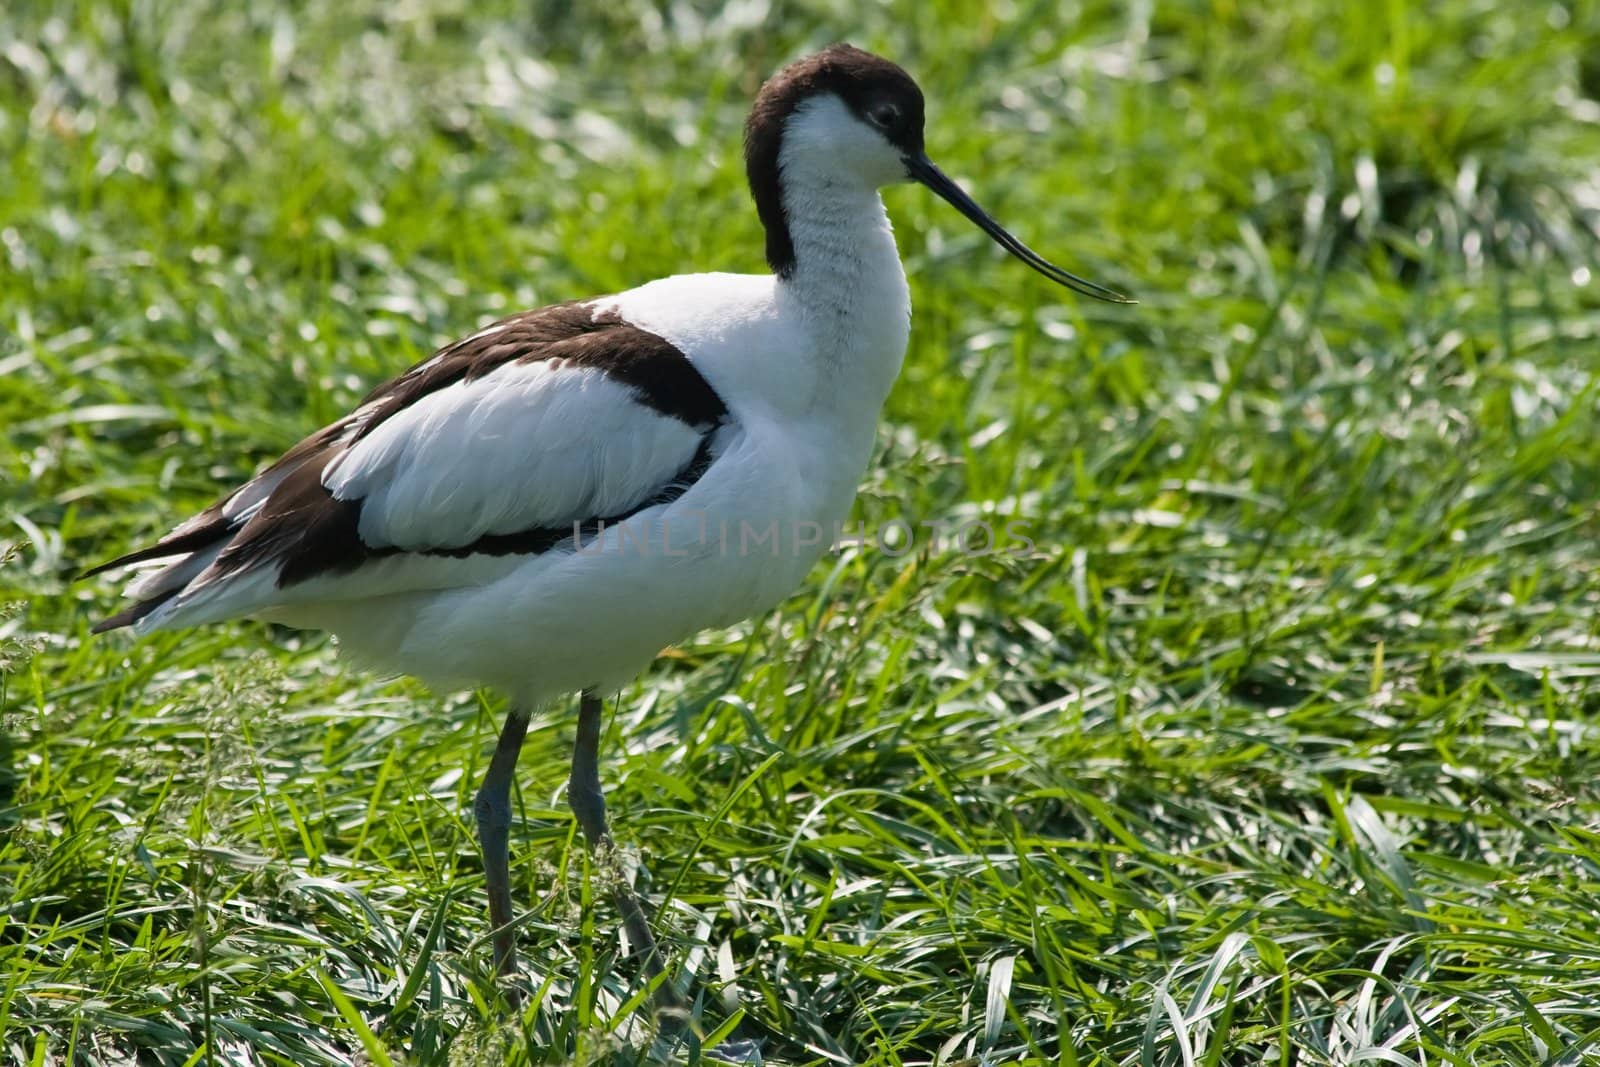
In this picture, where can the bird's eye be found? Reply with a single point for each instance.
(884, 116)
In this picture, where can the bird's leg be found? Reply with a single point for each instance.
(589, 805)
(493, 809)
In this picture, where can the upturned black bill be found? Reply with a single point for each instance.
(922, 169)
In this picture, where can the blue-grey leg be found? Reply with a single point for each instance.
(589, 805)
(493, 809)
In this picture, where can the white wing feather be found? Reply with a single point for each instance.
(528, 445)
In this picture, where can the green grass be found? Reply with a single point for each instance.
(1280, 747)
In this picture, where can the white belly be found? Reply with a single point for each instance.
(738, 542)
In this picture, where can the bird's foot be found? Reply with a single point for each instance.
(734, 1050)
(514, 989)
(738, 1050)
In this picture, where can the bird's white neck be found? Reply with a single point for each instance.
(847, 284)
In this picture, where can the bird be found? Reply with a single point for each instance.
(542, 507)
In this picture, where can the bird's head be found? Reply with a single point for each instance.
(846, 118)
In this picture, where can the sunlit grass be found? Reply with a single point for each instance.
(1278, 747)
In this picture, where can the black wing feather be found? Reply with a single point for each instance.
(307, 531)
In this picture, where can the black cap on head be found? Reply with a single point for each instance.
(876, 90)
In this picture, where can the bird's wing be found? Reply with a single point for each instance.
(497, 444)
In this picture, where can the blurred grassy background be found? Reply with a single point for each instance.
(1280, 749)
